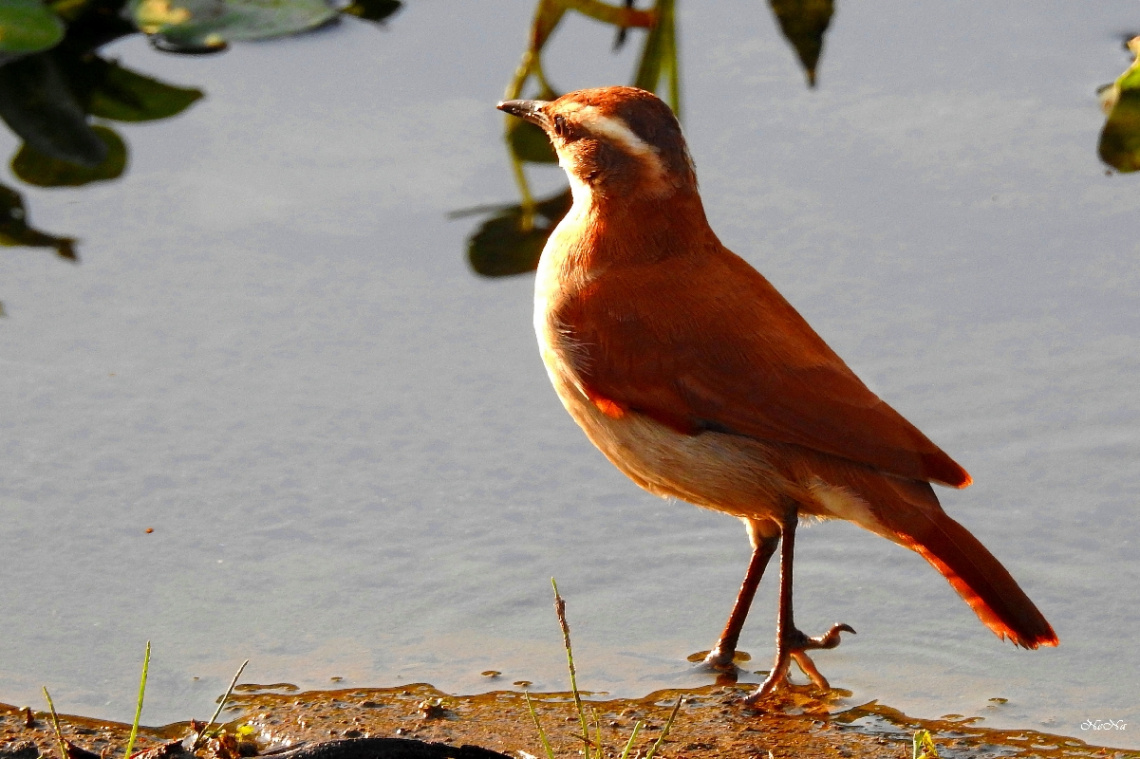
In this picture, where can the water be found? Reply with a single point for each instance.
(274, 354)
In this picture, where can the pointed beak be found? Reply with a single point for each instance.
(527, 110)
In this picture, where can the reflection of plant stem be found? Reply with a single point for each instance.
(526, 221)
(612, 14)
(660, 54)
(668, 24)
(547, 15)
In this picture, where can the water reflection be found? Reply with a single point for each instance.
(804, 23)
(511, 239)
(54, 85)
(16, 229)
(59, 95)
(1119, 145)
(510, 243)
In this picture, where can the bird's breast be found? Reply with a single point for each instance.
(722, 472)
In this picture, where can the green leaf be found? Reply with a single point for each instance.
(504, 245)
(122, 95)
(38, 103)
(205, 24)
(1119, 145)
(41, 170)
(27, 26)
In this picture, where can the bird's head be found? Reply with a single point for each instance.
(613, 142)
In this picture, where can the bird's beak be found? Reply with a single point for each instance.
(528, 110)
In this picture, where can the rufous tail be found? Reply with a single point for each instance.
(973, 571)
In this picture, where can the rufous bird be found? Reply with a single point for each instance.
(699, 381)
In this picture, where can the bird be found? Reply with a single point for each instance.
(699, 381)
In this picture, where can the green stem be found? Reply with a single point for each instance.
(665, 730)
(560, 612)
(139, 706)
(538, 726)
(63, 752)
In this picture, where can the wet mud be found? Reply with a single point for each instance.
(711, 722)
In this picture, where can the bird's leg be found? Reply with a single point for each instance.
(724, 651)
(790, 642)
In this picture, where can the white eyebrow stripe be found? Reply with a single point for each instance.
(615, 129)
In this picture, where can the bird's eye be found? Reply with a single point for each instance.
(560, 127)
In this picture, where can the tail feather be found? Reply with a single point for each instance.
(915, 519)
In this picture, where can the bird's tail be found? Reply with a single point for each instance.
(961, 558)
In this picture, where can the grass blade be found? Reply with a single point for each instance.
(632, 738)
(63, 752)
(560, 612)
(665, 730)
(139, 706)
(538, 726)
(221, 705)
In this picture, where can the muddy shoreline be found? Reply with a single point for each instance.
(712, 722)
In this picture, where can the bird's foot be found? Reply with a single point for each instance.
(724, 659)
(795, 648)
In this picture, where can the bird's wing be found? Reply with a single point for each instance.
(707, 343)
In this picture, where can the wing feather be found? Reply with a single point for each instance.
(742, 361)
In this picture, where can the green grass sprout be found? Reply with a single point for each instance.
(632, 737)
(665, 730)
(139, 706)
(924, 743)
(538, 726)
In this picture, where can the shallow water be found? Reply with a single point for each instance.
(275, 355)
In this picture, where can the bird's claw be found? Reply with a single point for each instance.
(795, 648)
(829, 639)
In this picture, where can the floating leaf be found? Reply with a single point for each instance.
(206, 24)
(803, 23)
(504, 245)
(42, 170)
(1120, 139)
(15, 230)
(373, 10)
(39, 105)
(122, 95)
(27, 26)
